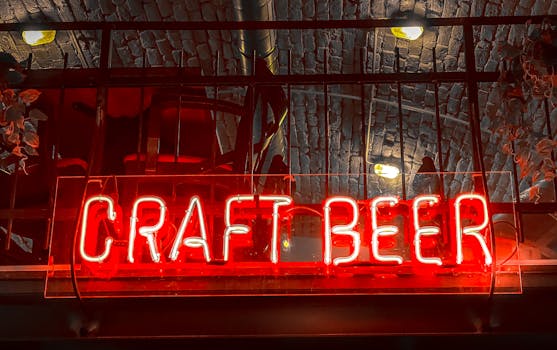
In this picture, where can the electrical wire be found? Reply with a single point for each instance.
(92, 157)
(515, 249)
(311, 210)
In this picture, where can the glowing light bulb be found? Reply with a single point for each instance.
(38, 37)
(408, 33)
(388, 171)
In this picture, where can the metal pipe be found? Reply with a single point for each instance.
(257, 41)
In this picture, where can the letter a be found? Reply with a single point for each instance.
(193, 241)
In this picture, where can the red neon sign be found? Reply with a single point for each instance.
(342, 222)
(211, 235)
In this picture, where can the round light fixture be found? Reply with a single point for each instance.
(38, 37)
(408, 33)
(412, 27)
(387, 171)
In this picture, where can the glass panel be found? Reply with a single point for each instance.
(307, 244)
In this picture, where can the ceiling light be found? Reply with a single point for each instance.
(412, 25)
(408, 33)
(38, 37)
(388, 171)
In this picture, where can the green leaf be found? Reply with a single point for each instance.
(13, 113)
(31, 138)
(31, 151)
(37, 115)
(545, 147)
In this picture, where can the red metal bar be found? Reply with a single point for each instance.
(130, 77)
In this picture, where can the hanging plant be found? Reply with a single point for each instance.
(19, 141)
(528, 76)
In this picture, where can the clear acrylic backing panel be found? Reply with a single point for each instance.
(207, 235)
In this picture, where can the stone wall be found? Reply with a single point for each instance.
(311, 52)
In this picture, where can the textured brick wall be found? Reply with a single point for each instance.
(343, 50)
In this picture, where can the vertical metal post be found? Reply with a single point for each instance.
(289, 125)
(177, 136)
(473, 105)
(550, 136)
(472, 96)
(54, 125)
(438, 129)
(477, 144)
(13, 194)
(213, 159)
(363, 65)
(56, 119)
(97, 152)
(518, 217)
(252, 110)
(141, 111)
(327, 121)
(400, 130)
